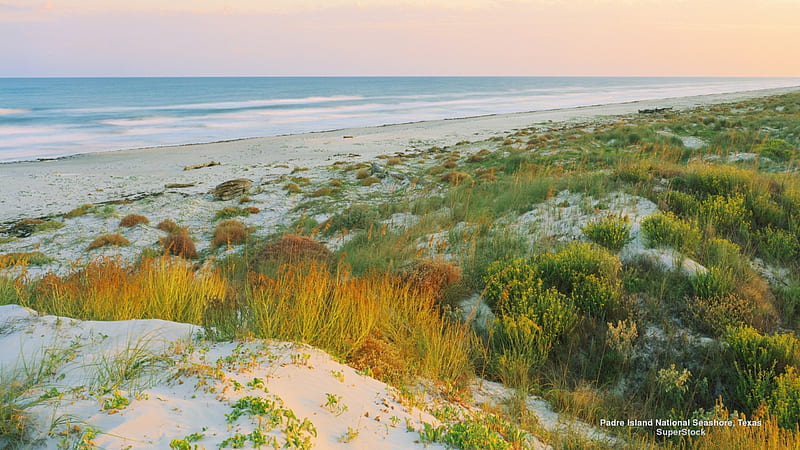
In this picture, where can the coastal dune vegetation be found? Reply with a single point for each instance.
(638, 267)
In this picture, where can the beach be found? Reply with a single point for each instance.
(43, 188)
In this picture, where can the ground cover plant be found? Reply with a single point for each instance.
(635, 267)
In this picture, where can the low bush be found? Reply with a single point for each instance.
(758, 360)
(435, 275)
(778, 245)
(179, 243)
(776, 150)
(229, 232)
(784, 403)
(292, 249)
(114, 239)
(727, 215)
(369, 181)
(586, 273)
(611, 232)
(714, 315)
(666, 230)
(132, 220)
(351, 218)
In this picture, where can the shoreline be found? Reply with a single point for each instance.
(54, 186)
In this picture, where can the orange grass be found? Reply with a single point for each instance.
(768, 436)
(107, 289)
(132, 220)
(339, 313)
(229, 232)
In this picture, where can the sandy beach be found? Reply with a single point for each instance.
(42, 188)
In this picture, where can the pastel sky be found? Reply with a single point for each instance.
(400, 37)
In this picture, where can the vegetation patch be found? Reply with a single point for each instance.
(132, 220)
(114, 239)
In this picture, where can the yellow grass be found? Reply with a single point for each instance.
(107, 289)
(342, 314)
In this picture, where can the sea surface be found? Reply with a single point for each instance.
(52, 117)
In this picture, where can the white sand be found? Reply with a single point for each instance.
(191, 391)
(33, 189)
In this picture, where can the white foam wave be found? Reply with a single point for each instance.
(11, 111)
(223, 105)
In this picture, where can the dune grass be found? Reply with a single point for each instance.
(107, 289)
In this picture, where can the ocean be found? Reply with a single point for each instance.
(53, 117)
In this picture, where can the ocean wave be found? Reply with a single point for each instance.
(11, 111)
(246, 104)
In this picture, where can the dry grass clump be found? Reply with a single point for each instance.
(292, 188)
(114, 239)
(168, 225)
(24, 258)
(434, 275)
(229, 232)
(380, 359)
(79, 211)
(455, 178)
(393, 161)
(179, 243)
(107, 289)
(369, 181)
(132, 220)
(293, 248)
(323, 192)
(362, 173)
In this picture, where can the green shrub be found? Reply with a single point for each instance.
(716, 314)
(680, 203)
(586, 273)
(778, 245)
(611, 232)
(776, 149)
(666, 230)
(727, 215)
(757, 361)
(750, 348)
(634, 173)
(714, 282)
(519, 344)
(513, 288)
(784, 403)
(353, 217)
(718, 180)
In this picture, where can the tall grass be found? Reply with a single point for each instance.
(107, 289)
(339, 312)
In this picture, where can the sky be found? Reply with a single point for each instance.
(399, 37)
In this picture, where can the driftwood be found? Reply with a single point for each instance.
(200, 166)
(654, 110)
(232, 188)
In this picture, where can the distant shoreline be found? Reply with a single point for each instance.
(54, 186)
